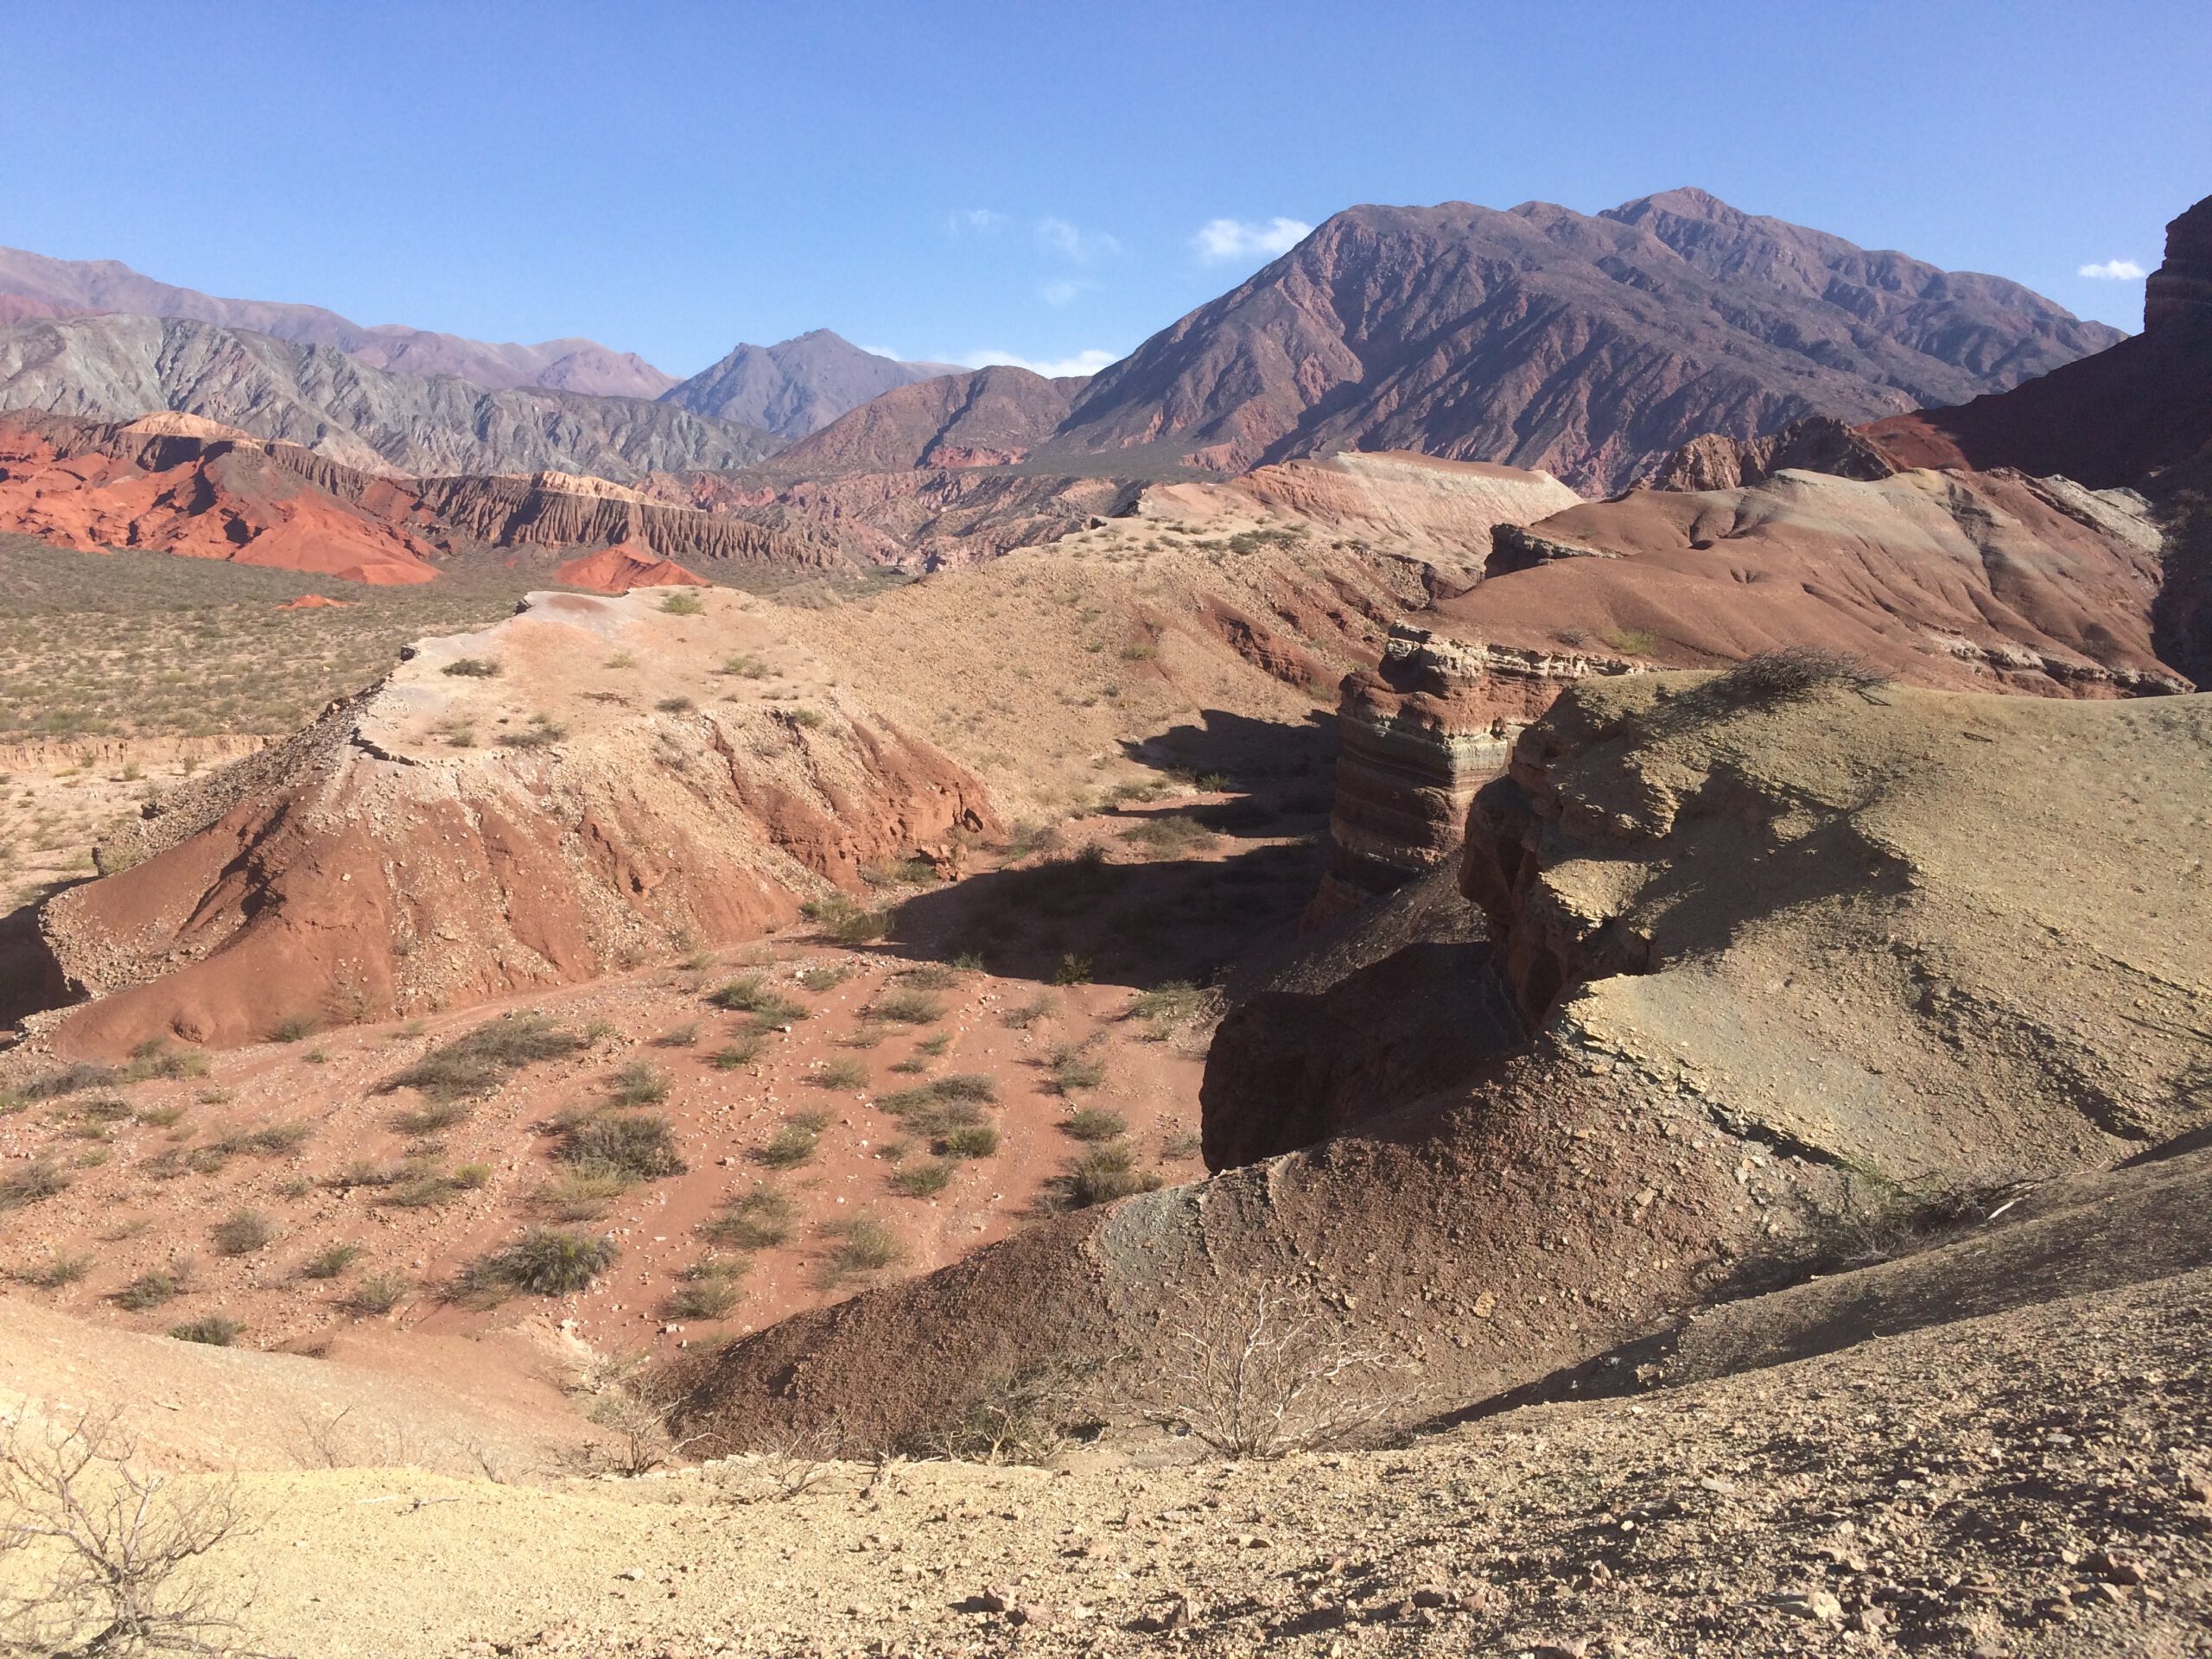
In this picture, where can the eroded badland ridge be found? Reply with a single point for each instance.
(952, 1011)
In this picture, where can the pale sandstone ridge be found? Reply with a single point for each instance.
(2024, 585)
(1769, 953)
(376, 866)
(1442, 511)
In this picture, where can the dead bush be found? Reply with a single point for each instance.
(1269, 1372)
(1788, 674)
(111, 1544)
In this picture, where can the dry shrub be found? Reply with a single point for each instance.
(759, 1220)
(243, 1233)
(1031, 1417)
(862, 1244)
(111, 1543)
(1100, 1175)
(36, 1181)
(1788, 674)
(544, 1262)
(1270, 1372)
(483, 1059)
(626, 1146)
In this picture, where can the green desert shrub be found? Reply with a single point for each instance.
(150, 1290)
(638, 1084)
(759, 1220)
(968, 1140)
(378, 1293)
(905, 1007)
(483, 1059)
(243, 1233)
(630, 1146)
(924, 1179)
(839, 1074)
(546, 1262)
(1102, 1174)
(1094, 1123)
(789, 1148)
(331, 1262)
(215, 1330)
(860, 1244)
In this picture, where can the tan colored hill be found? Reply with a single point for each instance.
(1963, 580)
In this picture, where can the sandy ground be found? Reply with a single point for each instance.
(2025, 1484)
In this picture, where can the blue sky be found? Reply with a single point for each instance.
(1037, 182)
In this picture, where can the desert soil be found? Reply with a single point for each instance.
(2025, 1484)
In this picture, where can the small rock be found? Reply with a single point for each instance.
(631, 1573)
(1571, 1647)
(1430, 1596)
(1868, 1621)
(2197, 1486)
(1033, 1612)
(2120, 1569)
(995, 1599)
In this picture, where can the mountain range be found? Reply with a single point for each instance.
(1588, 345)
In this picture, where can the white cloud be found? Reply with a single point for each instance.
(1082, 363)
(1072, 244)
(1066, 291)
(2114, 270)
(1219, 241)
(984, 220)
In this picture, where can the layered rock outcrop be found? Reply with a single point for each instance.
(532, 818)
(181, 484)
(2026, 585)
(198, 493)
(1417, 735)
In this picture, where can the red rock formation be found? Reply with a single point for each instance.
(448, 839)
(618, 570)
(2119, 418)
(180, 483)
(214, 499)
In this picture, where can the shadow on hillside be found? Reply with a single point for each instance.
(1138, 924)
(1270, 762)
